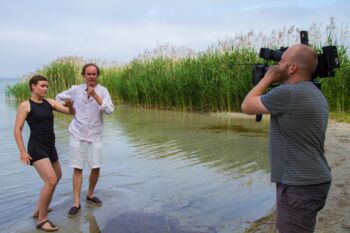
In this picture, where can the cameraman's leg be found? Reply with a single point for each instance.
(297, 206)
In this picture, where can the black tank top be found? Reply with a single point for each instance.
(40, 121)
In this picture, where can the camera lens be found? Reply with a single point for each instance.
(276, 55)
(269, 54)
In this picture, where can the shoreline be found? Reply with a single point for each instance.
(335, 216)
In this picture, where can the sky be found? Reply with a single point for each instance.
(34, 33)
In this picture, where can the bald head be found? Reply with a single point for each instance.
(305, 57)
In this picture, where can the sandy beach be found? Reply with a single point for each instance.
(335, 216)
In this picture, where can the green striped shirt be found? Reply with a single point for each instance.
(299, 117)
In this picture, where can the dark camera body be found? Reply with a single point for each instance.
(259, 70)
(327, 60)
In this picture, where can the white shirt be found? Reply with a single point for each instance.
(87, 124)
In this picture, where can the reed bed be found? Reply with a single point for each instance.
(62, 73)
(213, 80)
(207, 82)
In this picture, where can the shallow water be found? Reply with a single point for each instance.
(163, 171)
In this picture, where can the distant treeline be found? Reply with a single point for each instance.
(213, 80)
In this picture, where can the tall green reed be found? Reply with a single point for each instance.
(213, 80)
(62, 73)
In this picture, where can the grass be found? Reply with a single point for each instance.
(340, 117)
(217, 79)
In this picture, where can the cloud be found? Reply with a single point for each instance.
(35, 32)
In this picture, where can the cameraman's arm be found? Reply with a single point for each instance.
(252, 103)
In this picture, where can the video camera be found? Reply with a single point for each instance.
(327, 61)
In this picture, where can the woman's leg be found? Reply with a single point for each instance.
(48, 174)
(57, 167)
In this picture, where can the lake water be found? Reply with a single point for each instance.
(163, 171)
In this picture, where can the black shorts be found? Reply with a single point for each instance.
(40, 151)
(298, 205)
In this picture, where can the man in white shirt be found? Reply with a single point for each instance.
(91, 101)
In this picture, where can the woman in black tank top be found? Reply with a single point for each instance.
(41, 151)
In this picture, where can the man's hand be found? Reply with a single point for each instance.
(275, 75)
(252, 104)
(91, 92)
(68, 103)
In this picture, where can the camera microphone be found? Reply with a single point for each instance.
(304, 38)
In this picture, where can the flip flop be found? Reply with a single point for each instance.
(36, 213)
(40, 226)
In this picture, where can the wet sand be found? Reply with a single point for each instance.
(335, 216)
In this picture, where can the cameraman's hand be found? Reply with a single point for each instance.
(274, 74)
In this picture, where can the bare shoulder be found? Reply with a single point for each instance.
(53, 103)
(24, 106)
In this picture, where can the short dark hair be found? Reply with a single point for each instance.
(35, 79)
(90, 64)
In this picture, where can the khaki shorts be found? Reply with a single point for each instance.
(82, 152)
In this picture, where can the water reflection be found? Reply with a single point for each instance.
(137, 222)
(93, 226)
(230, 145)
(187, 172)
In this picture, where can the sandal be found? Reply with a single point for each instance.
(36, 213)
(52, 229)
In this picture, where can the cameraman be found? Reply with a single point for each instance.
(299, 116)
